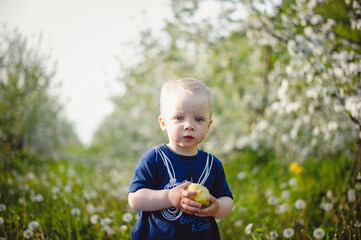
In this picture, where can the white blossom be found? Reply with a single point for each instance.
(318, 233)
(288, 232)
(248, 229)
(28, 233)
(127, 217)
(300, 204)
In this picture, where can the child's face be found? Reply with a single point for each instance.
(186, 118)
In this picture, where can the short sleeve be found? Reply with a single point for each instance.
(143, 172)
(221, 187)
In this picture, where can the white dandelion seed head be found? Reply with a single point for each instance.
(75, 211)
(55, 190)
(292, 182)
(238, 223)
(123, 228)
(90, 208)
(37, 198)
(318, 233)
(351, 195)
(286, 194)
(33, 225)
(300, 204)
(329, 194)
(248, 229)
(241, 175)
(105, 221)
(272, 200)
(2, 207)
(288, 232)
(357, 224)
(327, 206)
(282, 208)
(1, 220)
(108, 230)
(94, 219)
(28, 233)
(269, 192)
(127, 217)
(272, 235)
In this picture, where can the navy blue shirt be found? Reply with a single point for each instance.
(161, 168)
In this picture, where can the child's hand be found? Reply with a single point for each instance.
(180, 198)
(210, 211)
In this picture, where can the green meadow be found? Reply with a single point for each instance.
(86, 198)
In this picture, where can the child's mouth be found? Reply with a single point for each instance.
(188, 137)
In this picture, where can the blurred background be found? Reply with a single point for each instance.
(79, 100)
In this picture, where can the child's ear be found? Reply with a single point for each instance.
(209, 125)
(161, 122)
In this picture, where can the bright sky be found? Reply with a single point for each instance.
(84, 37)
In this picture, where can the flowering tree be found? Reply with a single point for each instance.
(285, 76)
(30, 117)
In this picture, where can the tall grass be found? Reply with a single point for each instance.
(86, 198)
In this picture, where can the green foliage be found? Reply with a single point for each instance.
(272, 198)
(30, 117)
(74, 199)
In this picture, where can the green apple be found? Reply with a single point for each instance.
(202, 194)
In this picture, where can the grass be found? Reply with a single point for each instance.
(86, 198)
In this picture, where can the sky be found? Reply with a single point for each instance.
(84, 37)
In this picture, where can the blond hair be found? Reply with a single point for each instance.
(189, 85)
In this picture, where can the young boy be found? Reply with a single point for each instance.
(158, 187)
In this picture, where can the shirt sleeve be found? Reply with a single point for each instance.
(221, 188)
(143, 172)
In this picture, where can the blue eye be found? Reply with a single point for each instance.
(180, 118)
(198, 119)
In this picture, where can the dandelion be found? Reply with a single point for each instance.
(329, 195)
(238, 223)
(94, 219)
(272, 200)
(357, 224)
(282, 208)
(55, 190)
(358, 182)
(319, 233)
(127, 217)
(300, 204)
(108, 230)
(326, 206)
(33, 225)
(269, 192)
(1, 220)
(241, 175)
(248, 229)
(123, 228)
(272, 235)
(288, 232)
(351, 195)
(105, 221)
(283, 185)
(295, 168)
(75, 211)
(28, 233)
(292, 182)
(90, 208)
(2, 207)
(37, 198)
(286, 194)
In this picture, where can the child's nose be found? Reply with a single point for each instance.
(188, 126)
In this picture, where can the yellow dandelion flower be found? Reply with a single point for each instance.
(295, 168)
